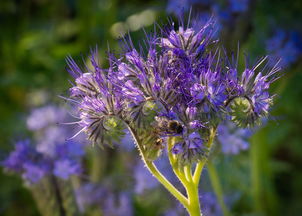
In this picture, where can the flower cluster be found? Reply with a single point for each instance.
(51, 154)
(181, 87)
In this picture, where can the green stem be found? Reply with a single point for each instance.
(152, 168)
(217, 187)
(173, 161)
(192, 191)
(197, 172)
(193, 196)
(157, 174)
(184, 174)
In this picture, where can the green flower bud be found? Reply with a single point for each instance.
(242, 112)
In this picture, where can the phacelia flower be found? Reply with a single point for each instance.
(44, 116)
(27, 162)
(49, 153)
(249, 100)
(98, 97)
(179, 85)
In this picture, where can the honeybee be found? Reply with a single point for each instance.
(165, 126)
(159, 143)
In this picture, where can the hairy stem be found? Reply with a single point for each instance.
(157, 174)
(184, 174)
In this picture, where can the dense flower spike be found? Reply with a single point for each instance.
(173, 94)
(182, 87)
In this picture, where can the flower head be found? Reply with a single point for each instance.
(178, 85)
(97, 97)
(249, 99)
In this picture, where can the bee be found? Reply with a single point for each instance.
(159, 143)
(165, 126)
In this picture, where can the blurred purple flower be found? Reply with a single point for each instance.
(33, 173)
(70, 149)
(285, 46)
(44, 116)
(119, 205)
(64, 168)
(239, 6)
(179, 7)
(127, 143)
(90, 194)
(210, 205)
(23, 152)
(233, 139)
(143, 179)
(27, 162)
(49, 138)
(51, 154)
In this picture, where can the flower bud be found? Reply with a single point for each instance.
(242, 112)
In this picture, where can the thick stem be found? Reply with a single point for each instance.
(184, 174)
(193, 196)
(192, 191)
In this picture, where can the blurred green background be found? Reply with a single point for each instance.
(37, 35)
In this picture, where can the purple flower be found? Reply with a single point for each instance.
(182, 73)
(210, 206)
(233, 139)
(26, 161)
(70, 149)
(178, 6)
(189, 149)
(96, 96)
(41, 117)
(33, 173)
(118, 205)
(23, 152)
(64, 168)
(239, 6)
(89, 194)
(48, 140)
(249, 99)
(143, 179)
(284, 46)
